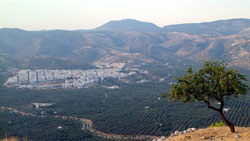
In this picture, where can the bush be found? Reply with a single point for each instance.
(217, 124)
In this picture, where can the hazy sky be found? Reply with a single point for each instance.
(88, 14)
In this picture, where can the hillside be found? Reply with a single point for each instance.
(215, 28)
(216, 134)
(135, 41)
(139, 60)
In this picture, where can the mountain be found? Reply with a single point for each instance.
(129, 25)
(221, 27)
(134, 41)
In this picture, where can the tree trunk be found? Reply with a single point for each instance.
(229, 124)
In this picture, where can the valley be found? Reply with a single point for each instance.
(132, 109)
(105, 83)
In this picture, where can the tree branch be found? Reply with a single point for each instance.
(221, 100)
(211, 107)
(218, 99)
(221, 105)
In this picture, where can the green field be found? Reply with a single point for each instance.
(117, 111)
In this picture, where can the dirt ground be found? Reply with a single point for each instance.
(215, 134)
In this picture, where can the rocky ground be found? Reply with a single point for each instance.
(215, 133)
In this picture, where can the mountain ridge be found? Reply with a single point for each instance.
(105, 44)
(129, 25)
(211, 27)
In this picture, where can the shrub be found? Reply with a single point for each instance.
(217, 124)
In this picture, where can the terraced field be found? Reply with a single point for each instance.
(132, 109)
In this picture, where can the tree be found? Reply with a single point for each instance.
(212, 83)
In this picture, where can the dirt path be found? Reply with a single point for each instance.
(87, 124)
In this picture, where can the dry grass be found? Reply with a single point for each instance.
(215, 134)
(11, 139)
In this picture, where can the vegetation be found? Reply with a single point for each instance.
(45, 62)
(117, 111)
(210, 84)
(217, 124)
(46, 129)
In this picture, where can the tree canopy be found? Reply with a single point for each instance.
(210, 84)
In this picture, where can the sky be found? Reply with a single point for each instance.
(89, 14)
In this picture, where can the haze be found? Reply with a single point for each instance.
(89, 14)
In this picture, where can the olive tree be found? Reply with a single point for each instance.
(212, 83)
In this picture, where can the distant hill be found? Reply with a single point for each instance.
(221, 27)
(134, 41)
(129, 25)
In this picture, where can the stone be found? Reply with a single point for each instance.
(237, 136)
(193, 129)
(172, 135)
(176, 133)
(162, 137)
